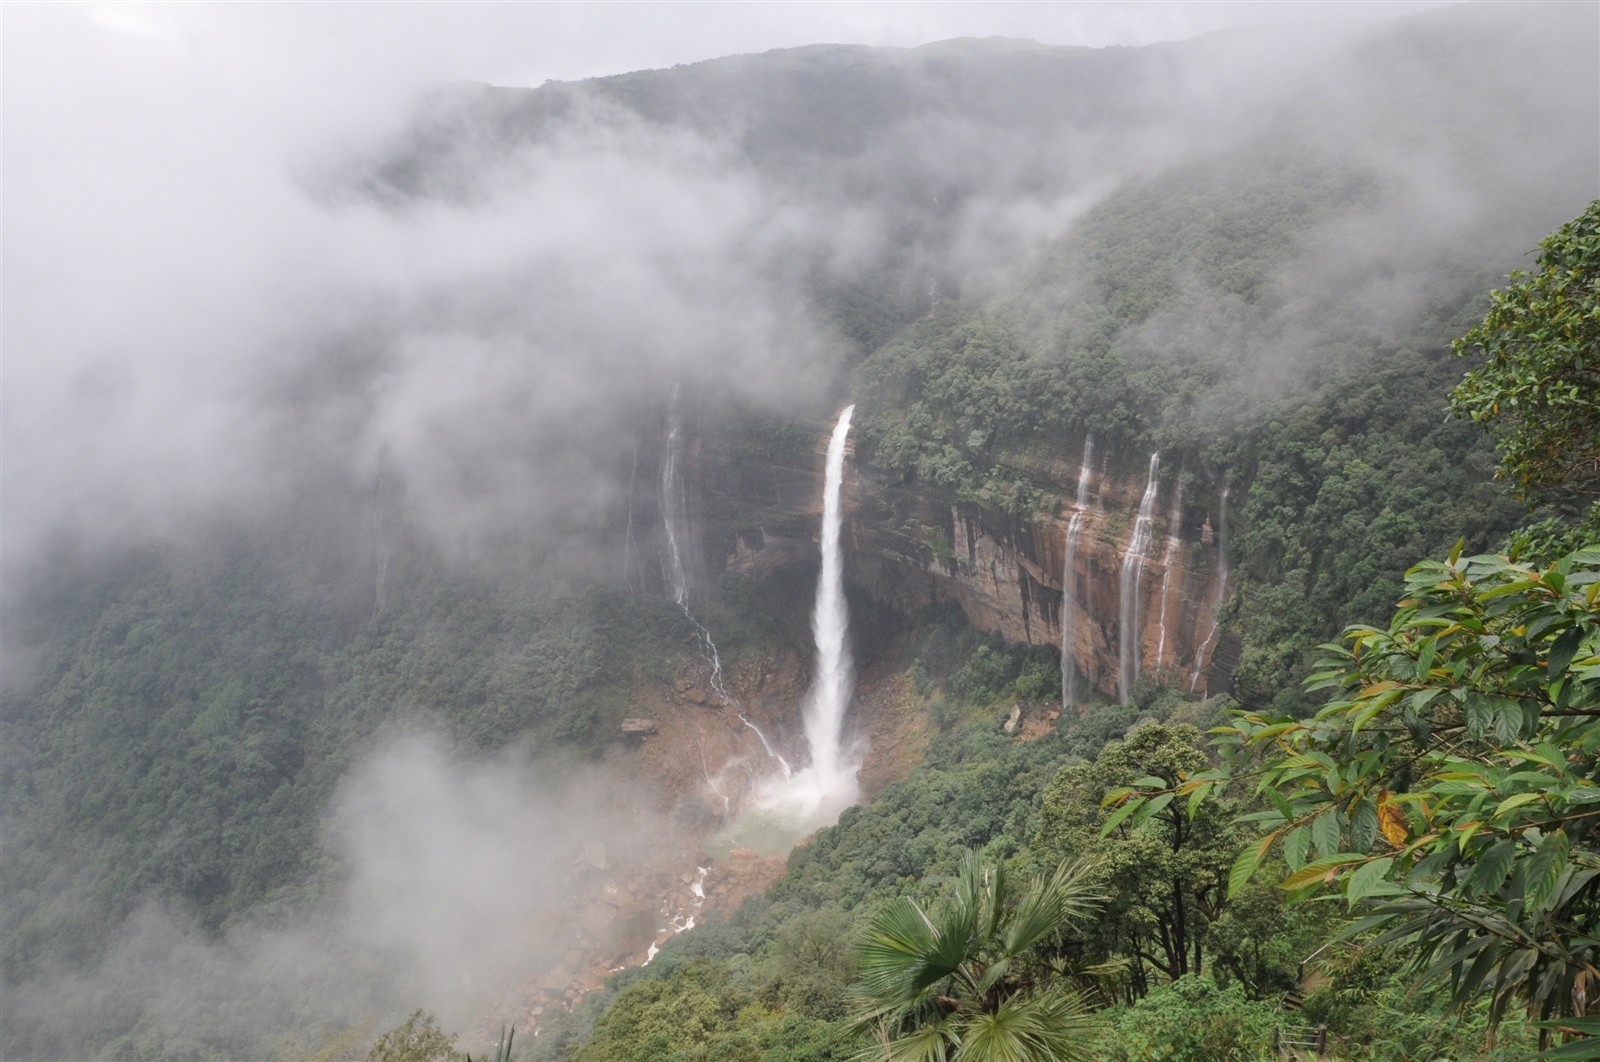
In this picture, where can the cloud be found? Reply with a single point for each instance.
(442, 867)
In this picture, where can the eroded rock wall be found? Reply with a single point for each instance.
(911, 546)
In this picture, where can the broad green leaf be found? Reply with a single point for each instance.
(1513, 802)
(1507, 720)
(1150, 808)
(1315, 872)
(1480, 715)
(1364, 826)
(1366, 878)
(1121, 813)
(1244, 867)
(1376, 705)
(1491, 869)
(1562, 652)
(1544, 869)
(1325, 832)
(1295, 843)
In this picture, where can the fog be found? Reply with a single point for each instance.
(451, 865)
(213, 281)
(252, 248)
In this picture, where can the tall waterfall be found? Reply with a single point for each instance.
(830, 625)
(1202, 656)
(1069, 581)
(791, 807)
(1129, 612)
(1174, 538)
(675, 523)
(674, 507)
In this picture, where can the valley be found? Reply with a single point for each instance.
(648, 560)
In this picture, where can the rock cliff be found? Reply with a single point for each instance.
(756, 513)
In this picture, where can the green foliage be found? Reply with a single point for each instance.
(502, 1052)
(1538, 389)
(1451, 788)
(1194, 1020)
(977, 669)
(1375, 1010)
(947, 399)
(969, 979)
(706, 1009)
(334, 1045)
(1165, 862)
(1546, 541)
(1168, 321)
(417, 1039)
(187, 721)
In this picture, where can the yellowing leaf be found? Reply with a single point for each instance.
(1392, 823)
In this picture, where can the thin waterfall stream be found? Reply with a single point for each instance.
(1202, 656)
(1069, 581)
(675, 523)
(1174, 539)
(1129, 610)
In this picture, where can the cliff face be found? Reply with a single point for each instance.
(1009, 576)
(911, 546)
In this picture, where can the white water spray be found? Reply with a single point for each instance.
(683, 919)
(1202, 657)
(1128, 591)
(1069, 581)
(1168, 559)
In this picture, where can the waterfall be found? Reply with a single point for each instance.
(675, 522)
(1174, 537)
(830, 624)
(674, 507)
(1128, 591)
(1069, 581)
(1202, 656)
(788, 809)
(630, 549)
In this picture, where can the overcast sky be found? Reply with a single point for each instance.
(510, 43)
(157, 245)
(338, 58)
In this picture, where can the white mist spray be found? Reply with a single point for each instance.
(1128, 591)
(1069, 581)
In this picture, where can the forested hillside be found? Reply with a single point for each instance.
(366, 729)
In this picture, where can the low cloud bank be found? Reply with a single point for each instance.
(440, 865)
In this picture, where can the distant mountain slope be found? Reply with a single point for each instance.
(1247, 251)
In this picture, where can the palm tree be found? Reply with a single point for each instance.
(969, 981)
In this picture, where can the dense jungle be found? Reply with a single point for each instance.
(1203, 440)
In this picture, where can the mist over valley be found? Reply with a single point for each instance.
(576, 555)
